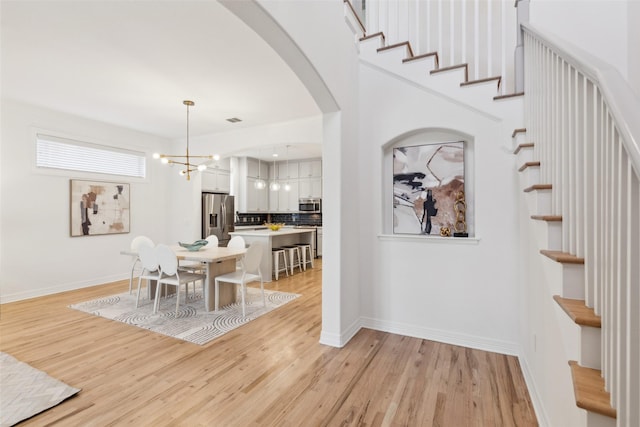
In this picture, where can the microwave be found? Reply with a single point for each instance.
(310, 205)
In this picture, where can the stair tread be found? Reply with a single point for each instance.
(452, 67)
(517, 131)
(396, 45)
(488, 79)
(579, 312)
(588, 386)
(370, 36)
(424, 55)
(562, 257)
(538, 187)
(509, 95)
(548, 218)
(528, 165)
(521, 146)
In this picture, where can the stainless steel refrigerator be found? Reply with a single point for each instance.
(217, 216)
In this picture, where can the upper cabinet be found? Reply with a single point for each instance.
(303, 176)
(217, 177)
(310, 169)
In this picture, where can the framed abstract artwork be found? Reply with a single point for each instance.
(427, 181)
(99, 207)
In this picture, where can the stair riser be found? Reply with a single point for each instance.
(597, 420)
(450, 78)
(392, 58)
(485, 90)
(566, 280)
(524, 155)
(520, 138)
(539, 202)
(530, 176)
(549, 234)
(418, 71)
(369, 48)
(581, 343)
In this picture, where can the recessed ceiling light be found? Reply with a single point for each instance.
(234, 120)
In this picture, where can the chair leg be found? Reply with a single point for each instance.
(157, 300)
(304, 259)
(264, 300)
(133, 267)
(138, 294)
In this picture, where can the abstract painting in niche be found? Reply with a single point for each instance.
(426, 180)
(99, 208)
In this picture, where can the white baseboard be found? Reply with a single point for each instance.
(40, 292)
(536, 401)
(340, 340)
(454, 338)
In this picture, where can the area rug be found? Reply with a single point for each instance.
(193, 323)
(26, 391)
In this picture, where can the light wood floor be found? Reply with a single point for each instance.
(270, 372)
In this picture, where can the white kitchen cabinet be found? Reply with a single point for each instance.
(310, 169)
(257, 200)
(310, 187)
(282, 200)
(216, 180)
(257, 169)
(291, 172)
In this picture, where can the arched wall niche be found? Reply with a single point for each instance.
(419, 137)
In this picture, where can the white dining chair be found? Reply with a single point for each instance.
(250, 272)
(237, 242)
(172, 276)
(213, 241)
(150, 267)
(134, 247)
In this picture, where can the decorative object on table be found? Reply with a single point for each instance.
(186, 161)
(195, 246)
(274, 226)
(99, 208)
(426, 179)
(193, 323)
(461, 211)
(445, 231)
(27, 391)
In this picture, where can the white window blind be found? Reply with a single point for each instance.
(61, 153)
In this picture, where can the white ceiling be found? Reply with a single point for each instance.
(132, 63)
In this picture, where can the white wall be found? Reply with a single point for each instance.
(459, 291)
(38, 255)
(633, 45)
(600, 27)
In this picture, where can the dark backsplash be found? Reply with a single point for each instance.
(287, 218)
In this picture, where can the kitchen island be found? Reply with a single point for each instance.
(274, 239)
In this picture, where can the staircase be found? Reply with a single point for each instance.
(578, 163)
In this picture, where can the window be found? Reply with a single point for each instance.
(61, 153)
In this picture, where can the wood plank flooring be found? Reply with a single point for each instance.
(270, 372)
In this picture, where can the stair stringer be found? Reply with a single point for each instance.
(544, 349)
(446, 83)
(550, 336)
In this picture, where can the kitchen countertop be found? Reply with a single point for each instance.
(269, 233)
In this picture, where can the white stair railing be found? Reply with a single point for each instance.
(585, 123)
(476, 32)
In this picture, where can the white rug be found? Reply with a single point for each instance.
(193, 323)
(26, 391)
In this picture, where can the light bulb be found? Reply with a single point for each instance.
(274, 186)
(287, 187)
(216, 157)
(202, 167)
(156, 155)
(259, 184)
(164, 160)
(182, 173)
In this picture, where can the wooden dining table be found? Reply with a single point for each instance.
(217, 260)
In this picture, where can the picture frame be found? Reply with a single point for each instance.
(99, 208)
(427, 181)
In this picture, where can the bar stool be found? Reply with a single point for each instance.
(305, 248)
(276, 261)
(294, 257)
